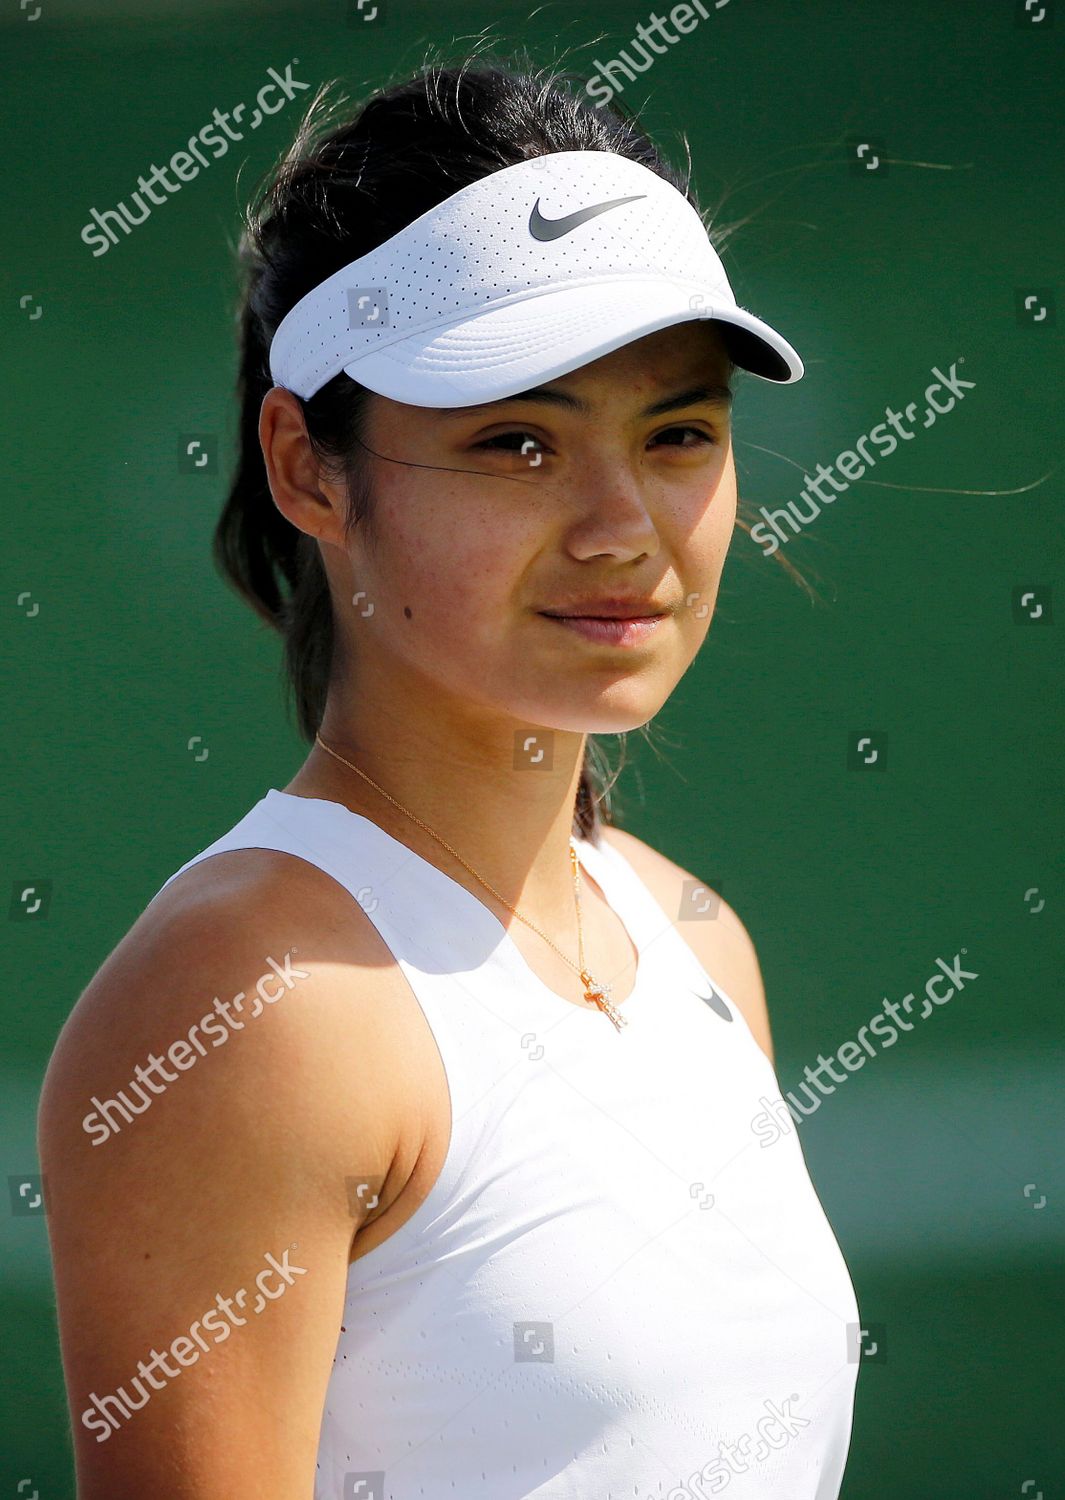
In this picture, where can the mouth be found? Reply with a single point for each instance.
(610, 630)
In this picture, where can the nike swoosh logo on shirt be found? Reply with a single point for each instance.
(553, 229)
(716, 1004)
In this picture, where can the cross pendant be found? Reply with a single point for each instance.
(598, 994)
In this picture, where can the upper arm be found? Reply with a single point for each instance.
(723, 946)
(203, 1243)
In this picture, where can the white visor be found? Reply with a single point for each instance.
(524, 275)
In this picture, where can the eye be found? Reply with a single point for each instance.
(704, 437)
(520, 443)
(526, 446)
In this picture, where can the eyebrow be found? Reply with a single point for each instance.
(716, 395)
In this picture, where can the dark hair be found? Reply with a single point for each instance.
(343, 187)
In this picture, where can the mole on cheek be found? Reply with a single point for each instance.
(406, 610)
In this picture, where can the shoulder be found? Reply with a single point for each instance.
(219, 1086)
(247, 988)
(723, 946)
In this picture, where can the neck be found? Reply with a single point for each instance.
(476, 784)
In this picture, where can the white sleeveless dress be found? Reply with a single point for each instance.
(616, 1289)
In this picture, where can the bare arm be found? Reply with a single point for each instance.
(202, 1245)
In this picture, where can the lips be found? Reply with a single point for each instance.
(612, 630)
(609, 609)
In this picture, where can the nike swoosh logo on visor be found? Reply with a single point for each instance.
(553, 229)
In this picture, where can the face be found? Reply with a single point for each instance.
(614, 480)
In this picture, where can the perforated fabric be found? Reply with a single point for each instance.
(466, 304)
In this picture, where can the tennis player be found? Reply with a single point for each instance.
(406, 1147)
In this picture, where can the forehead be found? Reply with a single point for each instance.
(696, 346)
(682, 355)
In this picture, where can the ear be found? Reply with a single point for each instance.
(313, 504)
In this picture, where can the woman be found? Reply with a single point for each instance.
(469, 1199)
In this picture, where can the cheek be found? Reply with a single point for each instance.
(701, 550)
(707, 515)
(454, 565)
(719, 520)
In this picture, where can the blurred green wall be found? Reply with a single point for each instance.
(939, 1163)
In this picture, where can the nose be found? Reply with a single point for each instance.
(614, 500)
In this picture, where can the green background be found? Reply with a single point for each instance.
(851, 882)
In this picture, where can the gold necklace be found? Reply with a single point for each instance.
(594, 993)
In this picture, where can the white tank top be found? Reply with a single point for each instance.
(616, 1289)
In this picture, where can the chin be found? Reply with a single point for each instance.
(602, 717)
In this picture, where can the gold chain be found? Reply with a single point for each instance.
(597, 994)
